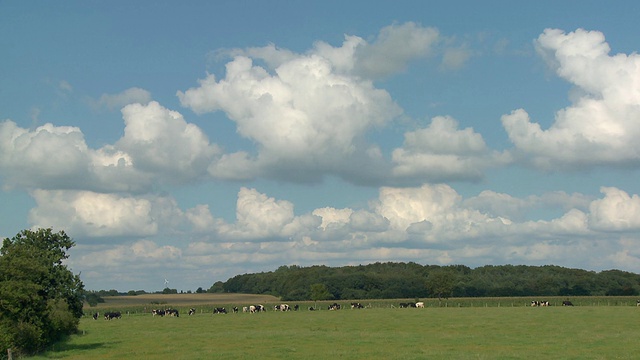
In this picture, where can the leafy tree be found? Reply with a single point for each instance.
(93, 299)
(40, 298)
(441, 282)
(217, 287)
(320, 292)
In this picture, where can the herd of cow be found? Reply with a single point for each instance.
(285, 307)
(546, 303)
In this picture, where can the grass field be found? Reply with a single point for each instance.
(508, 331)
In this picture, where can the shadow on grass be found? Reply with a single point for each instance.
(65, 348)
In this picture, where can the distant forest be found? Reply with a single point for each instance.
(410, 280)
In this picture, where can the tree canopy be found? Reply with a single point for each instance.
(40, 298)
(410, 280)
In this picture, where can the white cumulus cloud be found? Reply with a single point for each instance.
(84, 213)
(441, 152)
(600, 127)
(160, 141)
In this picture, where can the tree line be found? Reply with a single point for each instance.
(395, 280)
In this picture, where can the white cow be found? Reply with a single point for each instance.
(420, 304)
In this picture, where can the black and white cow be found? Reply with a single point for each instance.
(567, 303)
(219, 310)
(404, 305)
(172, 312)
(158, 312)
(356, 305)
(334, 306)
(296, 307)
(282, 307)
(192, 311)
(637, 302)
(95, 316)
(256, 308)
(235, 309)
(112, 315)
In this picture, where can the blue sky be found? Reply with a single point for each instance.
(195, 141)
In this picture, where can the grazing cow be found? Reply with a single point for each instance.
(245, 309)
(282, 307)
(637, 302)
(404, 305)
(219, 310)
(420, 304)
(296, 306)
(334, 306)
(112, 315)
(172, 312)
(544, 303)
(256, 308)
(235, 309)
(567, 303)
(311, 308)
(95, 316)
(192, 311)
(356, 305)
(158, 312)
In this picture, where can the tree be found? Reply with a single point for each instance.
(319, 292)
(40, 298)
(441, 282)
(93, 299)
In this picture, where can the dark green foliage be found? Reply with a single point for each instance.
(411, 280)
(40, 298)
(93, 298)
(320, 292)
(217, 287)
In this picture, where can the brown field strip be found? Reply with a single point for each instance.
(183, 300)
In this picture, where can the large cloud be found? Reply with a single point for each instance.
(306, 119)
(600, 127)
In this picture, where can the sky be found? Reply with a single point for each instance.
(184, 143)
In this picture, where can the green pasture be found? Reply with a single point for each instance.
(505, 330)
